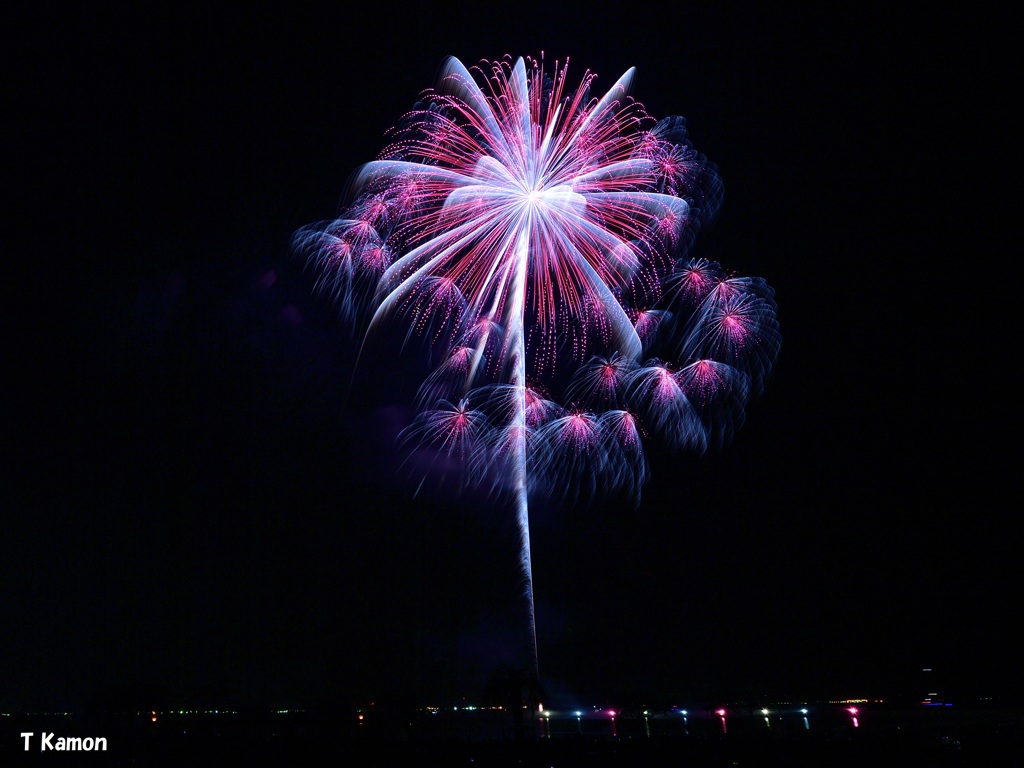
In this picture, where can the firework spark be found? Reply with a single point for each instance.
(538, 237)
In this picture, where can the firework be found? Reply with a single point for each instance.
(537, 238)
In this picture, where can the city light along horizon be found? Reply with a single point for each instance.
(537, 240)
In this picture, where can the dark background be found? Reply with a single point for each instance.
(203, 501)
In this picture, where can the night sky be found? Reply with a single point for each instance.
(203, 500)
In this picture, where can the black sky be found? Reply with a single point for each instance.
(204, 498)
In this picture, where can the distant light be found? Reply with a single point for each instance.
(578, 713)
(720, 712)
(611, 712)
(764, 711)
(547, 714)
(803, 711)
(852, 710)
(683, 711)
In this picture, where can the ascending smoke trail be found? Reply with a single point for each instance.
(537, 239)
(518, 338)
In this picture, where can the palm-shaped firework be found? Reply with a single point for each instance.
(538, 238)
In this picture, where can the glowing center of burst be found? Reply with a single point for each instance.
(558, 201)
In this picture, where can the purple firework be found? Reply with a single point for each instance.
(537, 238)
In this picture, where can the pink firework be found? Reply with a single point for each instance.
(536, 237)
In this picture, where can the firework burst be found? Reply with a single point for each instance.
(538, 237)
